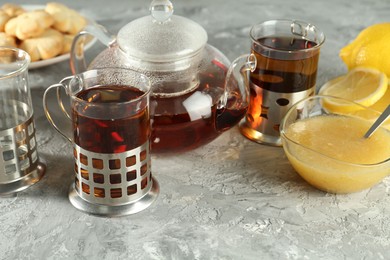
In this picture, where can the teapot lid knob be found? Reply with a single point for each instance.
(161, 10)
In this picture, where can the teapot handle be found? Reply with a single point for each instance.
(237, 82)
(235, 99)
(77, 58)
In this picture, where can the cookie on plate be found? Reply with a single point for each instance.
(68, 40)
(12, 9)
(46, 46)
(4, 17)
(7, 40)
(66, 19)
(29, 24)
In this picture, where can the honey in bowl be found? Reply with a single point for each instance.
(328, 150)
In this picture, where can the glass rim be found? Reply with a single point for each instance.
(79, 78)
(26, 61)
(283, 133)
(313, 48)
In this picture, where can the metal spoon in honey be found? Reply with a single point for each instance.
(381, 119)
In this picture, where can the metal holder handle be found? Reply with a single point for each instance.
(60, 104)
(303, 30)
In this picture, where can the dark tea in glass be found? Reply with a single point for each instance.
(110, 129)
(278, 73)
(110, 118)
(105, 120)
(287, 54)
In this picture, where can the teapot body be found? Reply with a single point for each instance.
(186, 107)
(196, 93)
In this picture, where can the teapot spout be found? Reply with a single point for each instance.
(234, 103)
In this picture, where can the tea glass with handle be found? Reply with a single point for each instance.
(20, 164)
(110, 122)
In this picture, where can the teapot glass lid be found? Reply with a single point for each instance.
(162, 36)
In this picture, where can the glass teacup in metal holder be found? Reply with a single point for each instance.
(20, 165)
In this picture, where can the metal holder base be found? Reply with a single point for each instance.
(258, 137)
(114, 211)
(9, 189)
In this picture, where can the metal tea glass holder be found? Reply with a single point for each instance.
(20, 165)
(109, 183)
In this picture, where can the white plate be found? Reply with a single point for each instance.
(57, 59)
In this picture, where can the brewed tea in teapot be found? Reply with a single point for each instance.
(196, 93)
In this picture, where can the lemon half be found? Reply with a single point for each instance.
(364, 86)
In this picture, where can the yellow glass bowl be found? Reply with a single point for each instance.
(322, 171)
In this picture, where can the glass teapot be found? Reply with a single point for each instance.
(196, 93)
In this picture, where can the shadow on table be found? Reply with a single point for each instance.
(268, 168)
(57, 179)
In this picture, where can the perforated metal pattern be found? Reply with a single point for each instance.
(18, 151)
(112, 179)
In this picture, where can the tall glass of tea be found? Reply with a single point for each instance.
(110, 118)
(287, 53)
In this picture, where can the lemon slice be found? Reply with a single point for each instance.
(362, 85)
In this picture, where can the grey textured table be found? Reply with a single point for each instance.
(231, 199)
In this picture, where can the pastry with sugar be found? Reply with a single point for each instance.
(7, 40)
(46, 46)
(4, 17)
(68, 40)
(12, 9)
(66, 19)
(30, 24)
